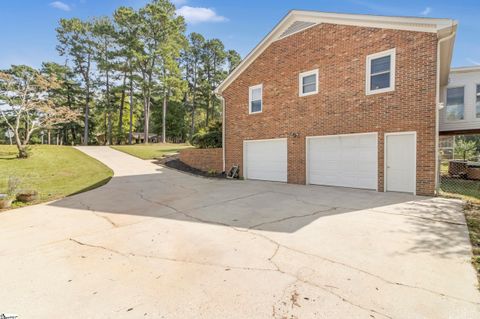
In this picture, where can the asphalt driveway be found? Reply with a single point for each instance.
(157, 243)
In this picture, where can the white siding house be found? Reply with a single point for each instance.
(461, 102)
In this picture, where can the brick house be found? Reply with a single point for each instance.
(340, 100)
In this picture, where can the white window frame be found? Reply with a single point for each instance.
(300, 82)
(464, 104)
(250, 90)
(392, 53)
(477, 95)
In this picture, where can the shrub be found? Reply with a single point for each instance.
(13, 183)
(465, 149)
(209, 138)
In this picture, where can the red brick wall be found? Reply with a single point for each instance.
(341, 106)
(203, 159)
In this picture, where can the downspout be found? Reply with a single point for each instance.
(222, 100)
(437, 112)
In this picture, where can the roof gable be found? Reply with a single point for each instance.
(295, 27)
(296, 21)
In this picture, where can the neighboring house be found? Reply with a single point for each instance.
(139, 137)
(341, 100)
(461, 112)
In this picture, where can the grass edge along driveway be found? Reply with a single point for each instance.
(151, 151)
(472, 216)
(54, 171)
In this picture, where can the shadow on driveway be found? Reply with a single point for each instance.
(268, 206)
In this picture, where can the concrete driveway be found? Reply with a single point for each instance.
(157, 243)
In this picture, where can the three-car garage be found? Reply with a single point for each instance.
(349, 160)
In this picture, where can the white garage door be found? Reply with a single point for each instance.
(343, 160)
(266, 160)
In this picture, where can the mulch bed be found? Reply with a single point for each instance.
(175, 163)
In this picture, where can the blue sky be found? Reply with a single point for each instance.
(28, 35)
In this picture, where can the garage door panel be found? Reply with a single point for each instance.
(264, 175)
(350, 143)
(264, 164)
(365, 182)
(366, 140)
(331, 180)
(343, 160)
(367, 156)
(329, 156)
(266, 160)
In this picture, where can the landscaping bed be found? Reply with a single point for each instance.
(204, 159)
(175, 163)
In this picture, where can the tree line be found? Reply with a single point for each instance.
(134, 72)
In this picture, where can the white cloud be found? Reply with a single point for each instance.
(472, 61)
(426, 11)
(60, 5)
(197, 15)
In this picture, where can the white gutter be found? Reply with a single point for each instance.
(463, 69)
(223, 129)
(437, 108)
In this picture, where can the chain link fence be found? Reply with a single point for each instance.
(460, 166)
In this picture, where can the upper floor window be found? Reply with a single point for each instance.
(255, 99)
(308, 83)
(380, 72)
(455, 104)
(478, 101)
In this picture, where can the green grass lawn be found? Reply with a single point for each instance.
(472, 215)
(444, 167)
(151, 151)
(53, 171)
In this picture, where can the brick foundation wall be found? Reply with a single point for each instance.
(203, 159)
(341, 106)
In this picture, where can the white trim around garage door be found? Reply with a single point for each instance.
(244, 152)
(414, 133)
(307, 155)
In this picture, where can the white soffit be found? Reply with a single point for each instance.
(374, 21)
